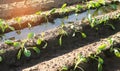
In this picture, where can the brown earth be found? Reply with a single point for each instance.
(52, 57)
(12, 8)
(34, 19)
(51, 36)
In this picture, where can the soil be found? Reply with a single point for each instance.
(111, 63)
(34, 19)
(13, 8)
(55, 56)
(52, 57)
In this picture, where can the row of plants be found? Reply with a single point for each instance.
(96, 56)
(64, 9)
(25, 50)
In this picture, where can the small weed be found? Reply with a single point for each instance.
(23, 48)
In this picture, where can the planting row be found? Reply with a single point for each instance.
(39, 17)
(15, 49)
(14, 8)
(82, 54)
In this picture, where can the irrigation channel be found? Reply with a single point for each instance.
(97, 46)
(21, 34)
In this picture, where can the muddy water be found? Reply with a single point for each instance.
(22, 34)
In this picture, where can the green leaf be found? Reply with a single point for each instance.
(100, 60)
(116, 52)
(1, 59)
(79, 6)
(19, 54)
(38, 13)
(30, 35)
(101, 1)
(79, 60)
(9, 42)
(16, 44)
(27, 53)
(11, 28)
(99, 67)
(111, 26)
(64, 68)
(18, 19)
(39, 41)
(60, 40)
(110, 41)
(37, 50)
(113, 6)
(100, 63)
(45, 45)
(64, 5)
(53, 11)
(83, 35)
(102, 47)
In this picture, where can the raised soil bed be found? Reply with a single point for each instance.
(54, 56)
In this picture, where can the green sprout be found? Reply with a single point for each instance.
(80, 59)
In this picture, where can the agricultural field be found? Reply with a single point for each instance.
(59, 35)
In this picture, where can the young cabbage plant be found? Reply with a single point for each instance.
(116, 51)
(80, 59)
(18, 20)
(23, 49)
(4, 26)
(40, 40)
(99, 60)
(62, 33)
(93, 4)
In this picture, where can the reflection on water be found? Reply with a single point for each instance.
(21, 34)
